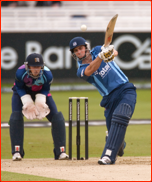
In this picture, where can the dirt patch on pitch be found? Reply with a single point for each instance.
(125, 169)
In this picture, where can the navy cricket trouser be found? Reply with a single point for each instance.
(124, 94)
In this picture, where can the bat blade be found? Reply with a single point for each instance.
(110, 30)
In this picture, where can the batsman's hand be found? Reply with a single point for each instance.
(107, 53)
(29, 110)
(42, 107)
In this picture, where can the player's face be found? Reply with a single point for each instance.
(79, 51)
(35, 70)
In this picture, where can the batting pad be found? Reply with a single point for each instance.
(58, 133)
(17, 132)
(120, 120)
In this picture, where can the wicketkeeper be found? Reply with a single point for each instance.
(97, 67)
(32, 99)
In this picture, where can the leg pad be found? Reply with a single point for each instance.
(17, 132)
(120, 120)
(58, 133)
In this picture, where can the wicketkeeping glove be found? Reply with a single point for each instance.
(42, 107)
(29, 109)
(107, 53)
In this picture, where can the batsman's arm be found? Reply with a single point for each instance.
(93, 66)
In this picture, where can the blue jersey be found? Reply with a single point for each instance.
(26, 84)
(106, 78)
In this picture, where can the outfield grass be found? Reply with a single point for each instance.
(9, 176)
(142, 110)
(38, 142)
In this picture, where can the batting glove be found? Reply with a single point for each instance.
(107, 53)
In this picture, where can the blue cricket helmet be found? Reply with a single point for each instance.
(77, 41)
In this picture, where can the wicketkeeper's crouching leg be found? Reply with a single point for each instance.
(17, 134)
(59, 136)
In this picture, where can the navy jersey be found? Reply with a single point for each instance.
(25, 83)
(106, 78)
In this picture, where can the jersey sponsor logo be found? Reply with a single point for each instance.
(104, 71)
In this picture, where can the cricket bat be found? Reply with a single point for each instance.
(109, 31)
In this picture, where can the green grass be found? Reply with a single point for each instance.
(6, 176)
(142, 109)
(38, 142)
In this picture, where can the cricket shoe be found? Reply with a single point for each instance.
(17, 157)
(63, 156)
(105, 161)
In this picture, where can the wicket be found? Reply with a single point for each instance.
(78, 127)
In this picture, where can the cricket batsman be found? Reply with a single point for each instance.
(98, 68)
(32, 99)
